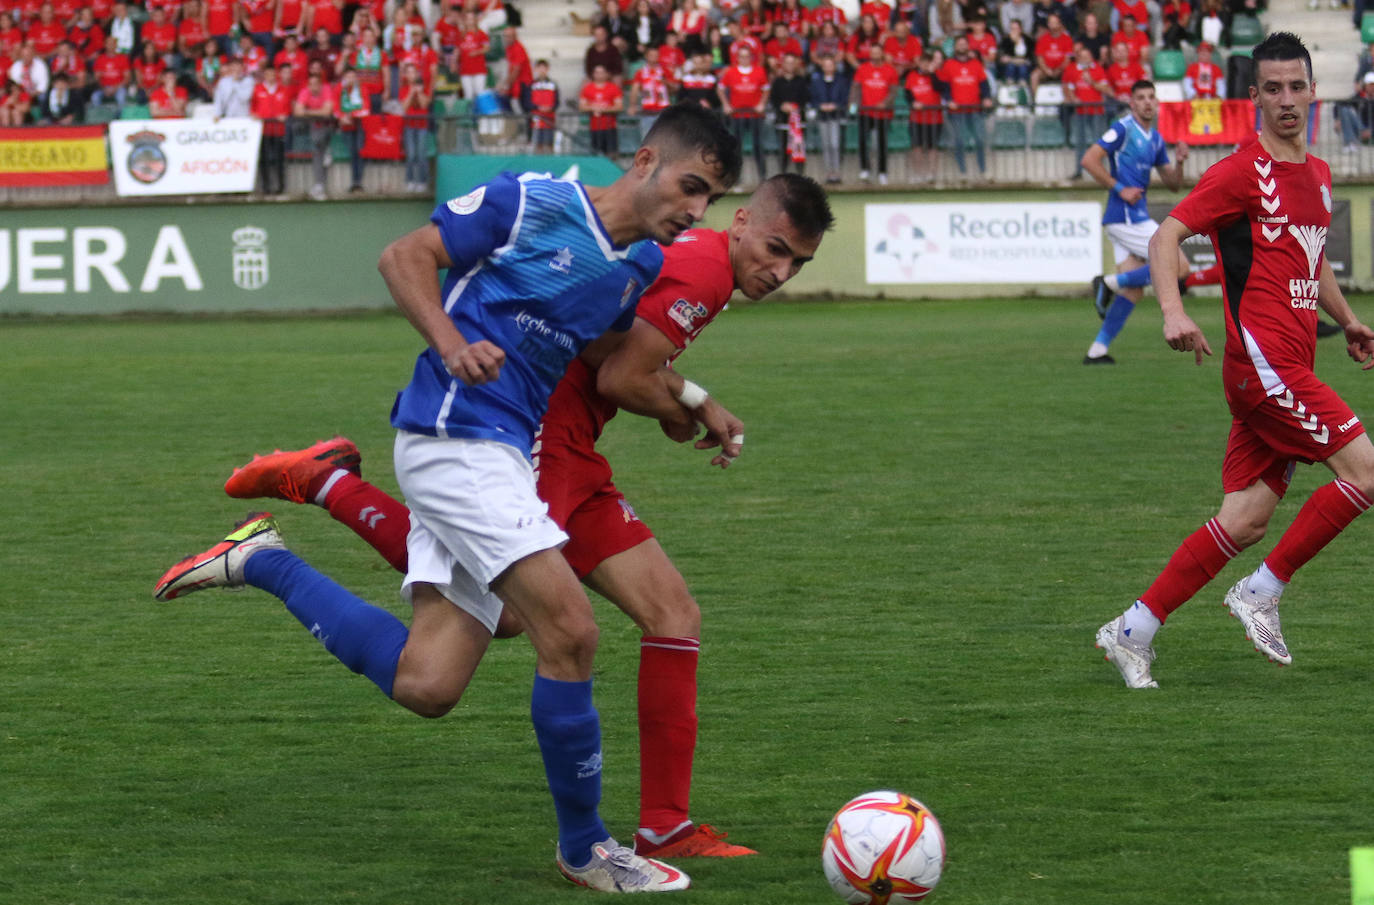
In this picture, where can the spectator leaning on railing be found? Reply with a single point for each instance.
(415, 101)
(168, 100)
(540, 99)
(272, 103)
(314, 103)
(351, 106)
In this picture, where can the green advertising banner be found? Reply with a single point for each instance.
(204, 257)
(458, 174)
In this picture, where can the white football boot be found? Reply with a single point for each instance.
(616, 868)
(1130, 658)
(1260, 616)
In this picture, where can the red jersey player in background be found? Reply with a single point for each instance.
(1267, 209)
(610, 549)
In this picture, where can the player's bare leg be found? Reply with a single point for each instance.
(442, 652)
(645, 584)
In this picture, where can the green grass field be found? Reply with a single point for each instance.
(901, 579)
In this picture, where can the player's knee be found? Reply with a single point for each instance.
(426, 696)
(674, 615)
(1246, 532)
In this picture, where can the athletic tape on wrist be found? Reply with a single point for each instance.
(692, 396)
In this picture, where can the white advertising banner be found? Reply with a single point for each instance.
(184, 156)
(1019, 242)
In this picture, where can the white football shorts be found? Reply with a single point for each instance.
(474, 512)
(1131, 239)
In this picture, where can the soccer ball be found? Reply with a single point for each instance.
(883, 847)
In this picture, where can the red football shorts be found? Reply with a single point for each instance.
(1307, 423)
(575, 480)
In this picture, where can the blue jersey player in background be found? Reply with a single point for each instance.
(538, 269)
(1121, 162)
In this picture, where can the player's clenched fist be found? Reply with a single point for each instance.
(475, 363)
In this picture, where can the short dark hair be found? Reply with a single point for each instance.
(1140, 84)
(1280, 45)
(802, 199)
(686, 128)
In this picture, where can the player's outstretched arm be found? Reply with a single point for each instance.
(410, 266)
(1359, 339)
(1181, 334)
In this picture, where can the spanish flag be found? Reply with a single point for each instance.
(53, 155)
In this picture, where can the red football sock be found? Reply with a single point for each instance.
(373, 514)
(1207, 276)
(667, 730)
(1196, 562)
(1325, 514)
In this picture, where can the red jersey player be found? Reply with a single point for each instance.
(610, 548)
(1267, 209)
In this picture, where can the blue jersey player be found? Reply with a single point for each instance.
(538, 270)
(1121, 161)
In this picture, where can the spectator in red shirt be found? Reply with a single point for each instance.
(449, 29)
(15, 104)
(902, 48)
(326, 14)
(65, 60)
(519, 73)
(86, 34)
(755, 20)
(46, 32)
(651, 90)
(291, 54)
(415, 100)
(256, 18)
(1136, 40)
(314, 104)
(113, 74)
(874, 91)
(867, 36)
(272, 103)
(540, 100)
(1203, 78)
(1122, 74)
(743, 90)
(739, 40)
(782, 42)
(473, 45)
(160, 33)
(968, 97)
(191, 30)
(927, 118)
(1053, 50)
(148, 68)
(251, 53)
(602, 99)
(688, 20)
(982, 42)
(168, 100)
(11, 36)
(1085, 87)
(827, 11)
(287, 18)
(220, 18)
(1125, 9)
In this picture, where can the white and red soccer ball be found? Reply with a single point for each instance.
(883, 847)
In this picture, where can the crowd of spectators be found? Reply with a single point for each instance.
(313, 67)
(795, 65)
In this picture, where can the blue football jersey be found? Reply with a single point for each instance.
(1132, 153)
(534, 272)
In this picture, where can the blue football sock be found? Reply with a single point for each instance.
(1134, 279)
(365, 638)
(1111, 325)
(569, 733)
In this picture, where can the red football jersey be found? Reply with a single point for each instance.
(902, 54)
(925, 100)
(744, 88)
(653, 88)
(695, 284)
(1084, 82)
(1268, 222)
(163, 37)
(875, 82)
(1135, 44)
(1123, 77)
(110, 69)
(472, 52)
(1053, 51)
(45, 38)
(606, 94)
(965, 79)
(219, 16)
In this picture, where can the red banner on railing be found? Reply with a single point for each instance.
(382, 137)
(1206, 122)
(53, 155)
